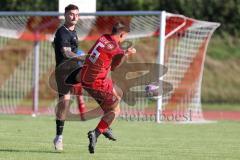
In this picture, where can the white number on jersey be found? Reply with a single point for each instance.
(95, 54)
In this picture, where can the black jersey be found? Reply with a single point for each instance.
(64, 38)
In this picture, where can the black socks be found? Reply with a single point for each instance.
(59, 126)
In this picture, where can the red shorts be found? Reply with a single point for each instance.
(102, 92)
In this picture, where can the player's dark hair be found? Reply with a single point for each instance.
(71, 7)
(120, 27)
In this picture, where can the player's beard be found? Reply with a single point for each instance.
(74, 22)
(71, 22)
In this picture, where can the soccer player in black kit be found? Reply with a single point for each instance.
(67, 66)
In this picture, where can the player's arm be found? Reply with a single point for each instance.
(120, 58)
(67, 53)
(64, 42)
(117, 61)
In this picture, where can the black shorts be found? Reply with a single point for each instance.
(65, 81)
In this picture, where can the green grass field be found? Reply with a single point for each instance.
(27, 138)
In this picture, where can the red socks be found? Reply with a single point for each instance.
(102, 126)
(81, 108)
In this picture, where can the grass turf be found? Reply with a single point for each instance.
(27, 138)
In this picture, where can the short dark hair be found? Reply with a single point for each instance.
(120, 27)
(71, 7)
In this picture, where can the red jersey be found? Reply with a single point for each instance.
(98, 64)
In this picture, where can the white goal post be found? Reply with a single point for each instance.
(175, 41)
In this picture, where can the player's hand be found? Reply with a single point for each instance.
(131, 51)
(82, 57)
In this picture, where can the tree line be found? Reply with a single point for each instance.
(227, 12)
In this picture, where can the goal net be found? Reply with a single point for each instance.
(184, 47)
(186, 42)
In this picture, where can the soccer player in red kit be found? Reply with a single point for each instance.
(105, 55)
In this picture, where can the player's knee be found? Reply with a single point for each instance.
(117, 102)
(118, 92)
(109, 108)
(66, 97)
(117, 111)
(113, 113)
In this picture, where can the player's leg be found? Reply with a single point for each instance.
(81, 106)
(111, 108)
(80, 101)
(64, 85)
(61, 110)
(111, 112)
(109, 118)
(103, 126)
